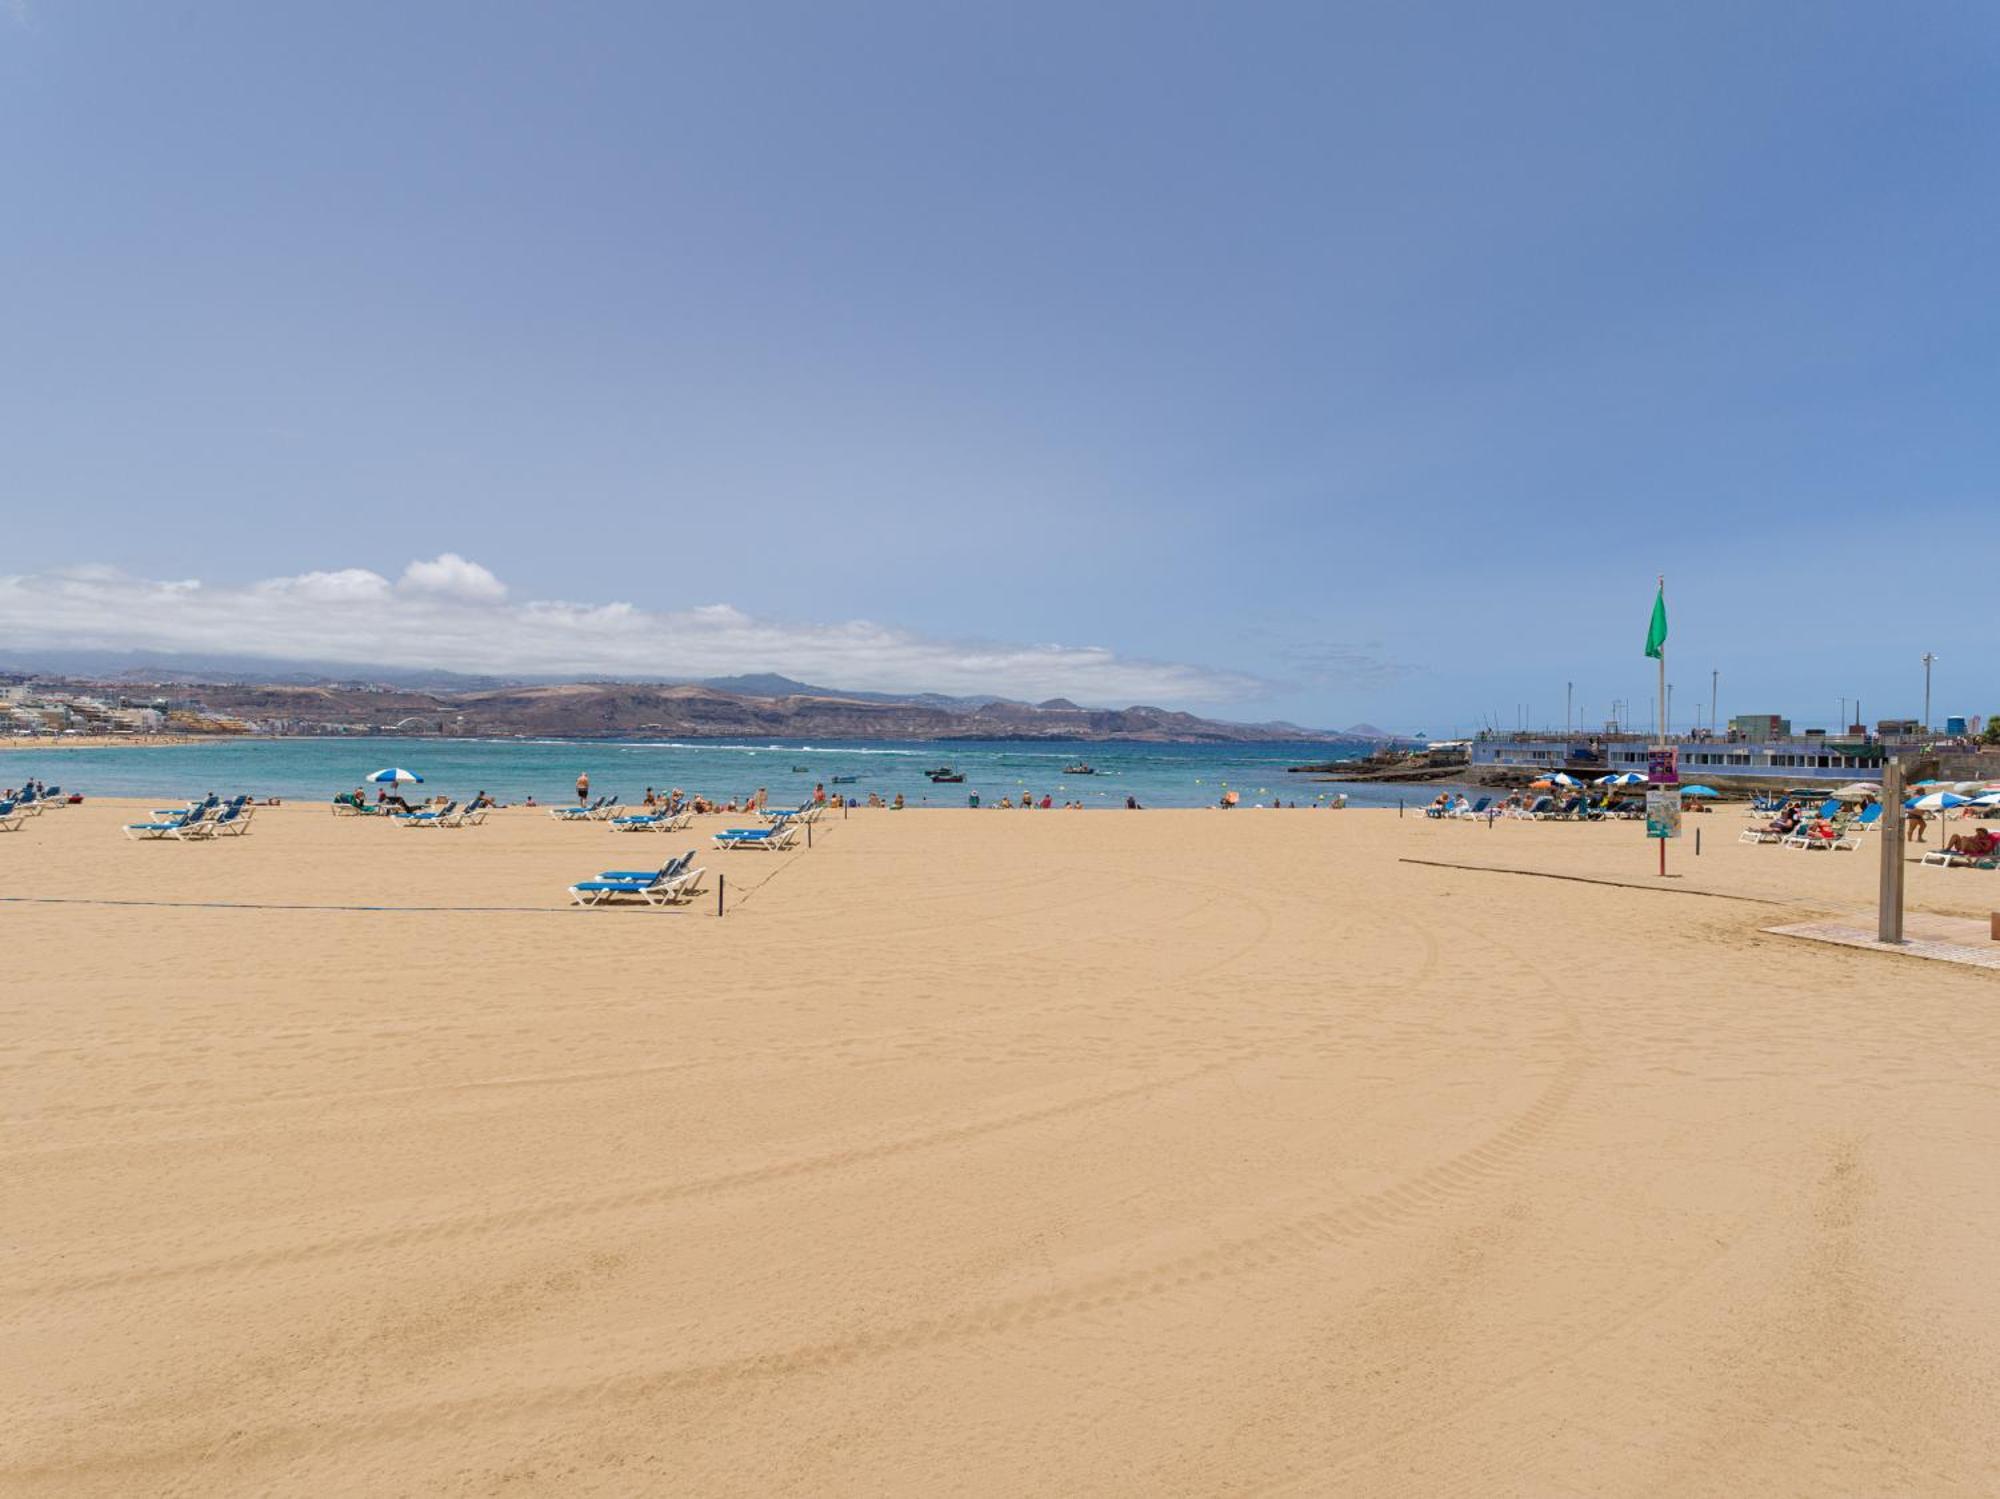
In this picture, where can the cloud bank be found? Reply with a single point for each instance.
(450, 613)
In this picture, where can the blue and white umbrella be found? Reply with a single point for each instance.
(1937, 801)
(1562, 778)
(393, 776)
(1987, 799)
(1623, 778)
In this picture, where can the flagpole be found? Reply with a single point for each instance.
(1665, 729)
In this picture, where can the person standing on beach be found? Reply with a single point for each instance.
(583, 788)
(1918, 820)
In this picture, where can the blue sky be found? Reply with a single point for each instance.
(1312, 361)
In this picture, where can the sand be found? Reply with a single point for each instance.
(974, 1153)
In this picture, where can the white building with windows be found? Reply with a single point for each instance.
(1793, 757)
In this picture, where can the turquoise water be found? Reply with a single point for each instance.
(1159, 775)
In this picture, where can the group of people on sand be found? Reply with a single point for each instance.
(676, 800)
(1792, 819)
(1279, 804)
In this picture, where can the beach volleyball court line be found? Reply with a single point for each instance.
(1584, 879)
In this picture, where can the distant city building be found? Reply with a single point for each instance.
(1758, 727)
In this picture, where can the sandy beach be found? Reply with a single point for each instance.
(96, 741)
(1163, 1153)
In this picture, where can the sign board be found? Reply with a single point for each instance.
(1663, 813)
(1663, 766)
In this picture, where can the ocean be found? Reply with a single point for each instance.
(1159, 775)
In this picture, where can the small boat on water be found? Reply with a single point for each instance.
(845, 780)
(946, 776)
(801, 770)
(1079, 769)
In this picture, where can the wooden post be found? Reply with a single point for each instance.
(1889, 901)
(720, 881)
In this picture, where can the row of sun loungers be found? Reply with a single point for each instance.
(778, 836)
(450, 815)
(1547, 809)
(661, 821)
(16, 810)
(804, 812)
(197, 822)
(1841, 833)
(600, 810)
(673, 883)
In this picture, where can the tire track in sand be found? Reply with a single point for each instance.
(1415, 1198)
(646, 1196)
(1585, 1323)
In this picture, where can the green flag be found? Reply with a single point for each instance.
(1656, 632)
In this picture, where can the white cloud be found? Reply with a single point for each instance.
(452, 574)
(453, 614)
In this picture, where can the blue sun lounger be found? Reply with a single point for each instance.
(11, 817)
(669, 869)
(661, 889)
(233, 821)
(186, 825)
(779, 835)
(433, 818)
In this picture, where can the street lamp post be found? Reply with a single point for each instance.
(1928, 659)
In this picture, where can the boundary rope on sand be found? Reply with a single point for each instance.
(1584, 879)
(247, 905)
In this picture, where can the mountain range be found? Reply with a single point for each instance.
(302, 697)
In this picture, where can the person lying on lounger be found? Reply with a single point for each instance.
(1974, 845)
(1784, 823)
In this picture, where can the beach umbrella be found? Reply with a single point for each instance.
(1623, 778)
(393, 776)
(1936, 801)
(1699, 791)
(1987, 799)
(1563, 778)
(1860, 791)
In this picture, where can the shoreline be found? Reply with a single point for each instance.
(29, 742)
